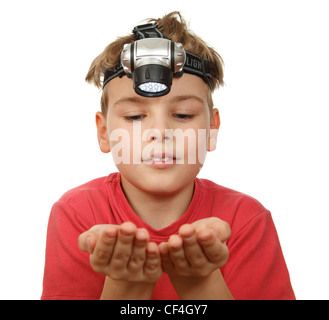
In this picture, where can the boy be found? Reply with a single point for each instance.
(153, 230)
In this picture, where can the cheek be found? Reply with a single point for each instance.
(118, 132)
(195, 142)
(190, 146)
(120, 145)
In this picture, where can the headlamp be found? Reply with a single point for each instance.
(152, 61)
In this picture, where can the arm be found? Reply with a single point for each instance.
(131, 264)
(193, 257)
(211, 287)
(125, 290)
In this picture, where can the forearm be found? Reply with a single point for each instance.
(124, 290)
(212, 287)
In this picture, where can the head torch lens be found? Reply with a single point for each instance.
(153, 87)
(152, 80)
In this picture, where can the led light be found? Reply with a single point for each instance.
(152, 87)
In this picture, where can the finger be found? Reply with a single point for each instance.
(102, 253)
(192, 248)
(90, 237)
(177, 254)
(222, 230)
(87, 242)
(166, 262)
(123, 248)
(91, 244)
(215, 251)
(152, 267)
(138, 254)
(82, 241)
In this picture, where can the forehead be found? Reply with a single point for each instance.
(187, 85)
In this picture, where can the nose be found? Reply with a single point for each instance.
(155, 134)
(159, 137)
(159, 129)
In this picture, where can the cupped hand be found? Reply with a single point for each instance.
(122, 252)
(197, 250)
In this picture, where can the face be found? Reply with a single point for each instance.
(158, 144)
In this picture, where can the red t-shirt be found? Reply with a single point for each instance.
(255, 269)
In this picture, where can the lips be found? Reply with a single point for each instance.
(160, 159)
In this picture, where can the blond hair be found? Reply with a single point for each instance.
(172, 26)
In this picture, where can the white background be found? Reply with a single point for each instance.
(273, 141)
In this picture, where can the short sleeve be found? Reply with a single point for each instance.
(256, 269)
(68, 274)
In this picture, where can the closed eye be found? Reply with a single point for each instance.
(181, 116)
(134, 118)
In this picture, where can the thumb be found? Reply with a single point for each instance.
(220, 227)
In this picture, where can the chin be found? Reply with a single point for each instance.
(163, 182)
(161, 185)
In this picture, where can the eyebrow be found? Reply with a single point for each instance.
(187, 97)
(124, 100)
(139, 101)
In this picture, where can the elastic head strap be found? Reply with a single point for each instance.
(198, 67)
(145, 31)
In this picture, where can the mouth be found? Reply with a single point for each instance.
(160, 160)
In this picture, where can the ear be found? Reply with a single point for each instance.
(213, 133)
(102, 134)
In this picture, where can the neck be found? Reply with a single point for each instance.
(158, 210)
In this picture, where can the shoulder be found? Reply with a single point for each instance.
(89, 200)
(93, 187)
(228, 197)
(235, 207)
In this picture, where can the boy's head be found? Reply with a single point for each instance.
(173, 27)
(158, 144)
